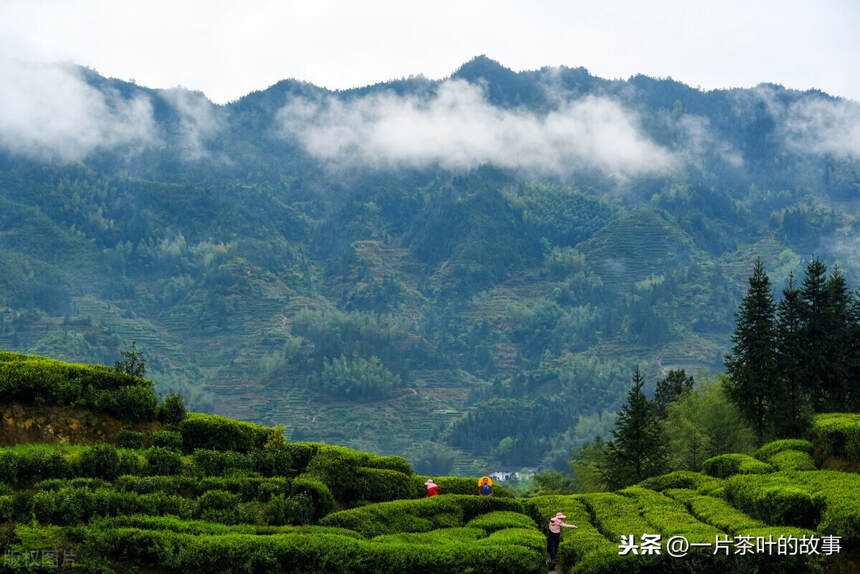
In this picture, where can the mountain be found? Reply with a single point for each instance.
(421, 267)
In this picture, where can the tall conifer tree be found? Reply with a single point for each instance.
(837, 352)
(752, 362)
(814, 333)
(791, 401)
(637, 449)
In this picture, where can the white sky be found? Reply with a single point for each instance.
(227, 49)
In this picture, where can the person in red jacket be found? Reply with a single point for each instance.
(432, 488)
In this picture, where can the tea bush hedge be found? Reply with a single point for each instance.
(768, 450)
(775, 500)
(419, 515)
(726, 465)
(129, 439)
(212, 432)
(167, 439)
(305, 554)
(839, 434)
(501, 519)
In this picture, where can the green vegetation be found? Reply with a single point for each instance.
(386, 307)
(726, 465)
(802, 359)
(34, 379)
(839, 433)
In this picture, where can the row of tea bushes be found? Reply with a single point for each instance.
(311, 552)
(423, 515)
(839, 434)
(74, 506)
(726, 465)
(669, 516)
(35, 379)
(602, 518)
(788, 454)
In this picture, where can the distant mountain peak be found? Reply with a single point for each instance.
(481, 67)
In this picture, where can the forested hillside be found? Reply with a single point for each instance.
(397, 268)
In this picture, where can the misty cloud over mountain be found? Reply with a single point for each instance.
(50, 111)
(457, 128)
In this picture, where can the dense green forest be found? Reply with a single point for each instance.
(458, 309)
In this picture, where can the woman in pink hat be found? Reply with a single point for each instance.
(553, 536)
(432, 488)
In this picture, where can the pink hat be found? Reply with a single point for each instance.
(560, 515)
(430, 482)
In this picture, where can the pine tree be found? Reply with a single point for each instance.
(837, 349)
(637, 449)
(854, 354)
(752, 362)
(670, 388)
(792, 400)
(814, 332)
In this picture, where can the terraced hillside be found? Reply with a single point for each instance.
(436, 289)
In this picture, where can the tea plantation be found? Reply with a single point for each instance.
(202, 493)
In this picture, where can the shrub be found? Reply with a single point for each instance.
(132, 403)
(22, 506)
(171, 411)
(163, 461)
(167, 439)
(438, 536)
(214, 462)
(300, 454)
(315, 551)
(839, 433)
(419, 515)
(58, 483)
(219, 433)
(669, 516)
(129, 439)
(8, 467)
(30, 378)
(7, 511)
(771, 448)
(296, 509)
(218, 506)
(725, 465)
(682, 479)
(33, 464)
(792, 460)
(528, 537)
(173, 484)
(774, 499)
(715, 511)
(100, 461)
(320, 495)
(501, 519)
(381, 484)
(130, 463)
(273, 462)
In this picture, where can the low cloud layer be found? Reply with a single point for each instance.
(49, 111)
(198, 120)
(458, 129)
(824, 126)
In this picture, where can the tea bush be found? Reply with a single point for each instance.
(204, 431)
(726, 465)
(167, 439)
(768, 450)
(129, 439)
(839, 433)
